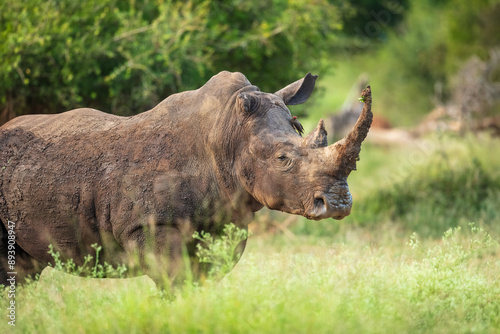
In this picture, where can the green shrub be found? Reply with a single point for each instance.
(220, 252)
(412, 68)
(125, 57)
(98, 270)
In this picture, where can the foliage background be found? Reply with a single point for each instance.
(126, 56)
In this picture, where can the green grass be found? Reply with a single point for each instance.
(449, 183)
(441, 181)
(310, 285)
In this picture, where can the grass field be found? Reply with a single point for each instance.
(309, 285)
(393, 266)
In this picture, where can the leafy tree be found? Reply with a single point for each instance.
(125, 57)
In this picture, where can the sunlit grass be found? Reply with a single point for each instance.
(451, 182)
(311, 285)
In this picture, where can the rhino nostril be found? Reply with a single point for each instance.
(319, 202)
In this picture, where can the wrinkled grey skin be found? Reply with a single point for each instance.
(143, 184)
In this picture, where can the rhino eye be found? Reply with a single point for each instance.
(285, 162)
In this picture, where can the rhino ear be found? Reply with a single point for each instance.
(299, 91)
(248, 102)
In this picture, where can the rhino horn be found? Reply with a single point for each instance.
(346, 151)
(317, 138)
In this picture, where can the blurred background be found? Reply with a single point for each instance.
(432, 159)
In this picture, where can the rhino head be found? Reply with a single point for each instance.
(284, 171)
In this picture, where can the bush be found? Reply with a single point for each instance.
(220, 253)
(125, 57)
(413, 67)
(97, 270)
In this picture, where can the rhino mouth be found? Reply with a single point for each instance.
(329, 206)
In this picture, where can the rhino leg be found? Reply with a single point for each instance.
(25, 265)
(3, 254)
(160, 253)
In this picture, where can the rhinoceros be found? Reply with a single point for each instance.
(197, 161)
